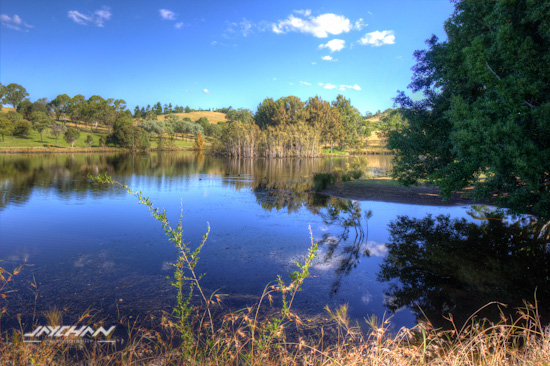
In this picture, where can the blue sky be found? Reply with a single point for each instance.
(213, 54)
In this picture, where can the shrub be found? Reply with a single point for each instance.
(22, 128)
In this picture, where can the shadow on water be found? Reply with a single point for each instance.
(451, 266)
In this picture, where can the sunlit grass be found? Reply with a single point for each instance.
(33, 141)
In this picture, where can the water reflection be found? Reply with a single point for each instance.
(453, 266)
(347, 215)
(278, 183)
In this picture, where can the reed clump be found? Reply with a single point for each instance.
(201, 331)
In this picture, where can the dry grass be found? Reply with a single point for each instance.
(7, 109)
(247, 338)
(213, 117)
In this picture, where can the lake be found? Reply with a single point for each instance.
(92, 246)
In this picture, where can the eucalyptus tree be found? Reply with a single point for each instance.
(241, 114)
(13, 94)
(351, 123)
(24, 108)
(76, 107)
(61, 105)
(71, 135)
(486, 111)
(6, 127)
(325, 119)
(40, 121)
(137, 112)
(57, 130)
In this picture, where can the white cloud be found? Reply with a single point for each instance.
(178, 25)
(377, 38)
(15, 23)
(305, 83)
(377, 249)
(329, 58)
(167, 14)
(305, 13)
(354, 87)
(327, 86)
(359, 24)
(206, 91)
(320, 26)
(98, 18)
(334, 45)
(102, 15)
(78, 17)
(245, 27)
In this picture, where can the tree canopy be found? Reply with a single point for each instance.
(485, 118)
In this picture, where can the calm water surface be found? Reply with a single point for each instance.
(91, 246)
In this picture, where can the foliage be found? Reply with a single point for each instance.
(40, 121)
(199, 142)
(486, 111)
(71, 135)
(13, 94)
(57, 130)
(352, 127)
(326, 119)
(24, 108)
(61, 105)
(6, 127)
(392, 120)
(243, 115)
(22, 128)
(14, 117)
(89, 140)
(131, 137)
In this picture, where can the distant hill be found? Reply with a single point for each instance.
(7, 109)
(213, 117)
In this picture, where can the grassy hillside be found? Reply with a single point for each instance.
(213, 117)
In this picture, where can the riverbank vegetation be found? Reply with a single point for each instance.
(279, 128)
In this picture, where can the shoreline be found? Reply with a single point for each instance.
(388, 190)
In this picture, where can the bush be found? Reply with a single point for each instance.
(22, 128)
(89, 140)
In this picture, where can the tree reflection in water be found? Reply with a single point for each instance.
(451, 266)
(347, 214)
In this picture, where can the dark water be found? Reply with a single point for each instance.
(91, 246)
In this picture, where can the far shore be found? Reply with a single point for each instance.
(388, 190)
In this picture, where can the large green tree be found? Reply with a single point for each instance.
(71, 135)
(485, 118)
(353, 129)
(40, 121)
(326, 120)
(6, 127)
(14, 94)
(61, 105)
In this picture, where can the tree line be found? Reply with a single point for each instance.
(289, 126)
